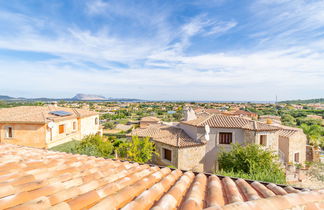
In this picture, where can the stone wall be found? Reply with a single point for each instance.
(192, 158)
(159, 160)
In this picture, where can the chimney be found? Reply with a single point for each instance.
(189, 114)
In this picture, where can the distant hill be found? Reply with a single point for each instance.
(88, 97)
(2, 97)
(77, 97)
(307, 101)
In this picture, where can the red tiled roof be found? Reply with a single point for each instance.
(39, 179)
(167, 135)
(223, 121)
(150, 119)
(39, 114)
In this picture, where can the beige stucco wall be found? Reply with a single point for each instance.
(32, 135)
(191, 131)
(88, 125)
(54, 138)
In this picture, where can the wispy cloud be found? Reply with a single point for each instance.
(149, 56)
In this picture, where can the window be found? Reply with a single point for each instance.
(61, 129)
(96, 121)
(74, 126)
(225, 138)
(9, 132)
(296, 157)
(263, 140)
(167, 154)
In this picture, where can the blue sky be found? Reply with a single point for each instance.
(177, 50)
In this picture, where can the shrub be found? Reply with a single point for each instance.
(251, 162)
(95, 145)
(138, 149)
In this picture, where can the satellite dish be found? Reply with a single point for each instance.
(51, 124)
(207, 129)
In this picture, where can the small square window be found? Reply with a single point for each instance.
(167, 154)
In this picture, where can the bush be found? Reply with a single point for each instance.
(251, 162)
(95, 145)
(138, 149)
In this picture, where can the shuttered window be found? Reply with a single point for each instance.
(225, 138)
(296, 157)
(61, 129)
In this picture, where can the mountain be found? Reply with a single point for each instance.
(88, 97)
(2, 97)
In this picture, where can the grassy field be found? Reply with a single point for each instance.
(66, 147)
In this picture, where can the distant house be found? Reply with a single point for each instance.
(146, 121)
(270, 118)
(186, 147)
(46, 126)
(292, 143)
(244, 114)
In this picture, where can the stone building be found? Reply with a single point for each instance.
(46, 126)
(195, 143)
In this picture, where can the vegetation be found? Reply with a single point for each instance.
(318, 100)
(93, 145)
(316, 171)
(251, 162)
(138, 149)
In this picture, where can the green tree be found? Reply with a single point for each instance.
(109, 125)
(95, 145)
(251, 162)
(138, 149)
(288, 120)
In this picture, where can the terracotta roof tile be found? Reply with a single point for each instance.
(84, 182)
(150, 119)
(223, 121)
(166, 134)
(39, 114)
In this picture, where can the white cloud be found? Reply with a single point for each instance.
(159, 68)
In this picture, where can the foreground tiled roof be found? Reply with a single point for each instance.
(222, 121)
(39, 114)
(39, 179)
(166, 134)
